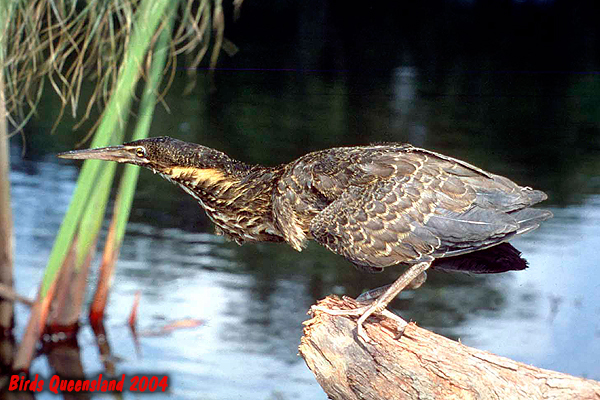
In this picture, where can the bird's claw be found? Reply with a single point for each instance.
(350, 312)
(363, 313)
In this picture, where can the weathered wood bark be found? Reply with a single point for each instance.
(408, 362)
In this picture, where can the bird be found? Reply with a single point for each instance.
(376, 205)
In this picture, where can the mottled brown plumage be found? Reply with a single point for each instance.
(376, 205)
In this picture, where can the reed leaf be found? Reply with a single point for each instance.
(148, 17)
(92, 217)
(122, 206)
(6, 223)
(147, 106)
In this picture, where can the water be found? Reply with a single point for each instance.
(506, 106)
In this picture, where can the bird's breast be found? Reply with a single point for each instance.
(243, 228)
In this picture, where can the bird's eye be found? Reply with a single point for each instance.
(140, 152)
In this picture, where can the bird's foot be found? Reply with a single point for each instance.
(372, 295)
(380, 304)
(350, 312)
(363, 312)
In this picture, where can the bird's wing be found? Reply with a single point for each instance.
(402, 221)
(388, 204)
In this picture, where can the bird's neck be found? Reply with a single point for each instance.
(235, 196)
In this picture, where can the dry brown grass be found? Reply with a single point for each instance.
(64, 42)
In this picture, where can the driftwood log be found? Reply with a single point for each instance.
(407, 362)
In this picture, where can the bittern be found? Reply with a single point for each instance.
(376, 206)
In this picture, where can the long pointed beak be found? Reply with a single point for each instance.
(121, 154)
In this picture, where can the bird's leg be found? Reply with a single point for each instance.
(382, 301)
(370, 295)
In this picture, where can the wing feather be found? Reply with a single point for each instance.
(383, 205)
(368, 231)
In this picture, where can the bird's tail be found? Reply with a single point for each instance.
(530, 218)
(500, 258)
(533, 196)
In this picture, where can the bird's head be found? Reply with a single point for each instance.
(160, 154)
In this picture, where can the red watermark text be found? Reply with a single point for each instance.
(56, 384)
